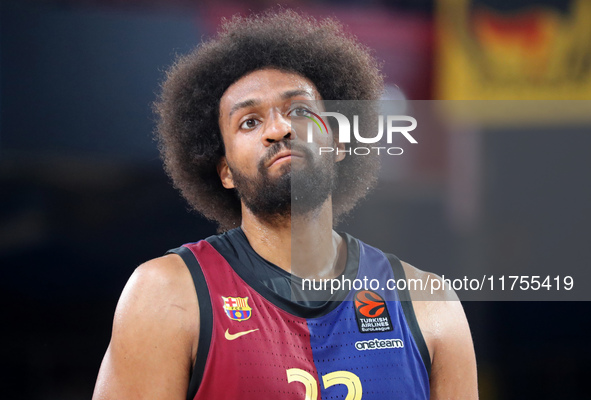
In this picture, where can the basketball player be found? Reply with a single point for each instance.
(216, 319)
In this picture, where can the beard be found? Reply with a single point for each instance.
(298, 192)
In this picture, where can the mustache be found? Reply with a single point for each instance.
(285, 144)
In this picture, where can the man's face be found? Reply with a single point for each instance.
(274, 170)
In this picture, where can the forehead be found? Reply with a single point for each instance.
(265, 85)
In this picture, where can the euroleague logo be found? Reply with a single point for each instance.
(371, 312)
(369, 304)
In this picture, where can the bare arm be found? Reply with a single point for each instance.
(154, 338)
(447, 334)
(453, 372)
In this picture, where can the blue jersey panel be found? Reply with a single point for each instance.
(358, 353)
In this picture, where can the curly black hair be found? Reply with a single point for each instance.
(188, 133)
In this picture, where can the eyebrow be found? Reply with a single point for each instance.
(243, 104)
(296, 92)
(284, 96)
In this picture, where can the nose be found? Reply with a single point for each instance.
(278, 128)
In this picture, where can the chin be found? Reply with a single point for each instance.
(282, 174)
(282, 171)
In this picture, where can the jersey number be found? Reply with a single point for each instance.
(346, 378)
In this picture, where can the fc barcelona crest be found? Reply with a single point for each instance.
(237, 308)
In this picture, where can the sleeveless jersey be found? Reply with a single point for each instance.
(256, 344)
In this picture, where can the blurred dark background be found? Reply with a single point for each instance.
(84, 199)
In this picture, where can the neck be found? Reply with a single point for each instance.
(305, 246)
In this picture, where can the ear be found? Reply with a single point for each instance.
(340, 151)
(225, 173)
(338, 145)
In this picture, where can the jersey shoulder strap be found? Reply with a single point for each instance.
(409, 312)
(205, 317)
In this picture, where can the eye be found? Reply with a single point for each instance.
(299, 112)
(249, 124)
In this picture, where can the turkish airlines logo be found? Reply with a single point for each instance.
(371, 312)
(369, 304)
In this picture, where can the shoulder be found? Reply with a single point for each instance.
(155, 332)
(425, 281)
(160, 292)
(446, 331)
(436, 310)
(162, 276)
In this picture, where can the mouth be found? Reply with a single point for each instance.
(283, 156)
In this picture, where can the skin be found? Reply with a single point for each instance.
(155, 332)
(271, 123)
